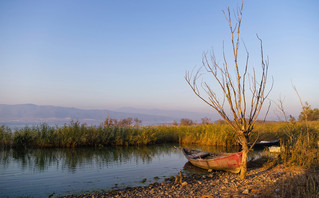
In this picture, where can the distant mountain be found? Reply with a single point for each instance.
(176, 114)
(30, 113)
(26, 114)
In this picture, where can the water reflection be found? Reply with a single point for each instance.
(72, 159)
(41, 172)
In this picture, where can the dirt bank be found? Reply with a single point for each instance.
(260, 182)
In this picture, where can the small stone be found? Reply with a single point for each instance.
(184, 183)
(199, 182)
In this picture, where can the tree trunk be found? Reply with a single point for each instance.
(243, 170)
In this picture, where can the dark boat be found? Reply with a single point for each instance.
(216, 161)
(263, 144)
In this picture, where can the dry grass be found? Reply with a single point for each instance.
(305, 184)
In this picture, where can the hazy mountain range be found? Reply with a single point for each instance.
(31, 114)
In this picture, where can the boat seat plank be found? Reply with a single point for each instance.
(199, 155)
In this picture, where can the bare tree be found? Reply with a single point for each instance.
(109, 121)
(125, 122)
(205, 121)
(186, 122)
(137, 122)
(238, 108)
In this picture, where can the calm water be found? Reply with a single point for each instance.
(43, 172)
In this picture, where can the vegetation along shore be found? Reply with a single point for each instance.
(295, 167)
(81, 135)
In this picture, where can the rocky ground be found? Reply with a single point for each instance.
(260, 182)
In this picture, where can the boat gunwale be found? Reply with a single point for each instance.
(198, 162)
(219, 155)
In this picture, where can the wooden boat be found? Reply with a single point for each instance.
(216, 161)
(263, 144)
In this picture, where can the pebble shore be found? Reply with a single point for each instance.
(215, 184)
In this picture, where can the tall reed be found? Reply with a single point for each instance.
(301, 147)
(75, 134)
(5, 137)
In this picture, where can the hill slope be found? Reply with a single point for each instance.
(30, 113)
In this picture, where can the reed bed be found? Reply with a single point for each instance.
(5, 137)
(75, 134)
(81, 135)
(301, 145)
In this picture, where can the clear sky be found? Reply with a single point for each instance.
(113, 53)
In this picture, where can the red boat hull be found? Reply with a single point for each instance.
(220, 161)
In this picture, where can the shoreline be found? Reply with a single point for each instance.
(261, 182)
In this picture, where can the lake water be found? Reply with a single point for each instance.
(44, 172)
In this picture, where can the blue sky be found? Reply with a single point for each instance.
(109, 54)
